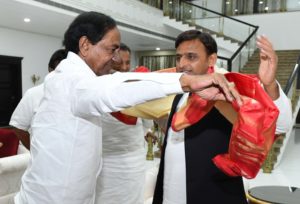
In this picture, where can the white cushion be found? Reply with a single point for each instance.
(11, 172)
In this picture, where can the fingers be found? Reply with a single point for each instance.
(266, 47)
(229, 89)
(223, 84)
(235, 93)
(211, 94)
(211, 87)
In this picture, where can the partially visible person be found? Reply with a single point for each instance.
(125, 54)
(27, 107)
(67, 134)
(123, 174)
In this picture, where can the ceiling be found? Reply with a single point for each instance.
(53, 21)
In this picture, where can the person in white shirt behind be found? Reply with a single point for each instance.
(66, 141)
(27, 107)
(122, 177)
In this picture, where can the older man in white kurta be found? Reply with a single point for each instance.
(65, 170)
(78, 116)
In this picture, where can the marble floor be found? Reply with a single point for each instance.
(287, 172)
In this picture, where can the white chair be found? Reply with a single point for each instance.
(11, 171)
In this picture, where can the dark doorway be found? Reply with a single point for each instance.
(10, 86)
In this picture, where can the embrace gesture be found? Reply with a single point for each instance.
(210, 87)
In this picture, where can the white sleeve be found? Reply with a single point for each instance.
(284, 121)
(23, 114)
(114, 92)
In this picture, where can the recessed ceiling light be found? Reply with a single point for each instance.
(170, 2)
(261, 2)
(266, 8)
(227, 2)
(236, 10)
(26, 20)
(158, 48)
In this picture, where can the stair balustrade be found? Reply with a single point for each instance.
(221, 27)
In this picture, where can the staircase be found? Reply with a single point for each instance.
(286, 63)
(232, 36)
(223, 42)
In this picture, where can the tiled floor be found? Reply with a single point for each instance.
(287, 173)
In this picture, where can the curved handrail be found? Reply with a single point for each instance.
(219, 14)
(243, 45)
(292, 77)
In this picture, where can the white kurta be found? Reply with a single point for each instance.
(27, 107)
(175, 167)
(66, 142)
(122, 176)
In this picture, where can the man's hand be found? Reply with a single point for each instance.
(1, 144)
(210, 87)
(268, 66)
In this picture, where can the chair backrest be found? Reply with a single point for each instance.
(10, 142)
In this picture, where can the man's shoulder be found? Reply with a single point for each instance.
(35, 90)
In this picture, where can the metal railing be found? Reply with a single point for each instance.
(238, 7)
(220, 25)
(292, 79)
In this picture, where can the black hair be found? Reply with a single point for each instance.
(124, 47)
(56, 57)
(91, 24)
(205, 38)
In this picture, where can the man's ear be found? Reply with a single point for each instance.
(83, 46)
(212, 59)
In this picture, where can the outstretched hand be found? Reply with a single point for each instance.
(268, 66)
(211, 87)
(1, 144)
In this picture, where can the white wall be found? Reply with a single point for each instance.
(35, 49)
(131, 12)
(282, 28)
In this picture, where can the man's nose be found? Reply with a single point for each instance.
(116, 57)
(182, 62)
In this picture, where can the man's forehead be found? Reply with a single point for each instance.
(108, 43)
(178, 52)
